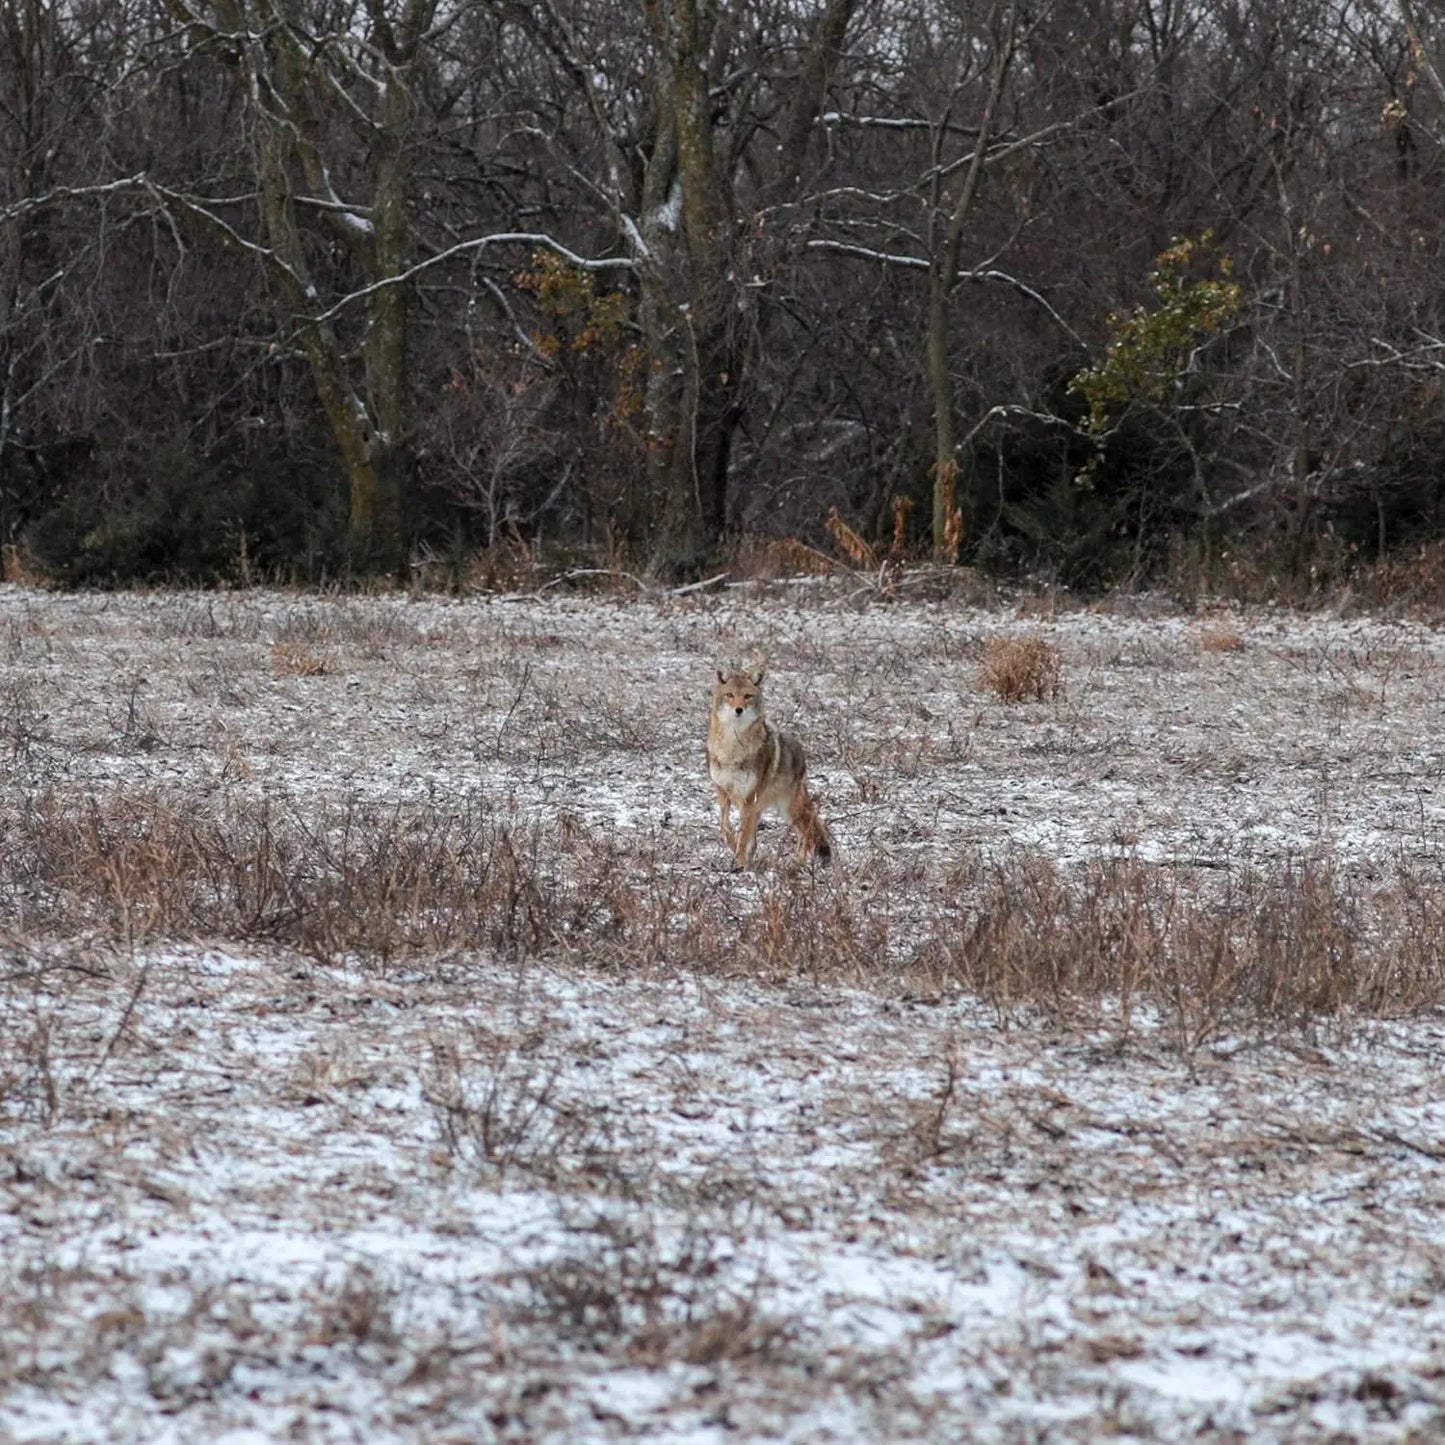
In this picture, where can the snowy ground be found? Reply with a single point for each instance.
(248, 1196)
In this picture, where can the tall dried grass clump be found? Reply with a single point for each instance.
(374, 884)
(348, 881)
(291, 659)
(1281, 949)
(1022, 669)
(1278, 950)
(1410, 582)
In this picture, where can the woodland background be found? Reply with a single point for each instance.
(308, 289)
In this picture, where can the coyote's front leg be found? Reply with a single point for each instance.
(748, 833)
(725, 818)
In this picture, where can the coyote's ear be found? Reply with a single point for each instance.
(758, 677)
(721, 675)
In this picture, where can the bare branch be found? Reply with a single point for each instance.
(867, 253)
(1429, 355)
(30, 204)
(893, 122)
(1024, 289)
(462, 248)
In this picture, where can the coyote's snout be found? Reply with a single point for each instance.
(755, 767)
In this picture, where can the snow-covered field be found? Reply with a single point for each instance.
(249, 1194)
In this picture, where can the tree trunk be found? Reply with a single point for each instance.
(942, 282)
(385, 544)
(695, 429)
(940, 380)
(691, 312)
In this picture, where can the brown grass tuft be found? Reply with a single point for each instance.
(1022, 669)
(653, 1299)
(19, 565)
(775, 559)
(1411, 582)
(1217, 638)
(1280, 949)
(291, 659)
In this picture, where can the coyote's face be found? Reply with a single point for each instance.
(737, 698)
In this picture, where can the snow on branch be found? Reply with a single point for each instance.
(354, 218)
(70, 193)
(1027, 413)
(1024, 289)
(891, 122)
(463, 248)
(867, 253)
(1429, 355)
(141, 183)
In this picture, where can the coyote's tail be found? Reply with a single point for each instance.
(816, 837)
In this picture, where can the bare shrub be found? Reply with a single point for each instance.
(356, 1310)
(350, 879)
(19, 565)
(29, 1085)
(1410, 582)
(369, 627)
(498, 1105)
(137, 731)
(806, 925)
(769, 559)
(355, 882)
(510, 564)
(1022, 669)
(654, 1299)
(22, 730)
(604, 716)
(1031, 937)
(858, 550)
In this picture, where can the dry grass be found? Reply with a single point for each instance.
(19, 565)
(1248, 948)
(1216, 638)
(1270, 950)
(653, 1301)
(501, 1111)
(773, 559)
(1411, 583)
(1022, 669)
(935, 895)
(291, 659)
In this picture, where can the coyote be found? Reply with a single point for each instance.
(756, 767)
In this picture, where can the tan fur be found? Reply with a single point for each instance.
(755, 767)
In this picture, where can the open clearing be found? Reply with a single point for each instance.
(583, 1174)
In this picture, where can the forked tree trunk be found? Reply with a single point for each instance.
(368, 412)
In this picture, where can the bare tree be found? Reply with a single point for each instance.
(692, 120)
(332, 94)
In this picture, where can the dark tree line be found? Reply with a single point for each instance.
(308, 287)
